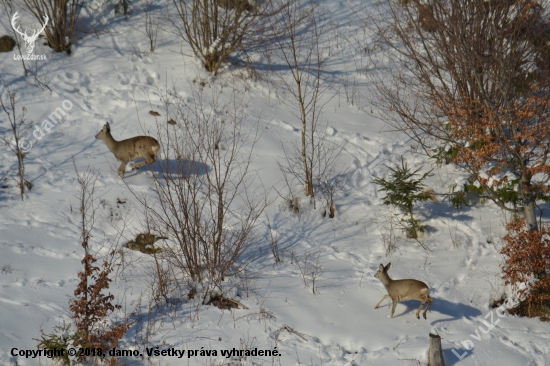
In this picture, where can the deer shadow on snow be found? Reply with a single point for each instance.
(454, 310)
(167, 169)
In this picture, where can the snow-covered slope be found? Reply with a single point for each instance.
(112, 78)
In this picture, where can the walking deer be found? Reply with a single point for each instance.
(130, 149)
(402, 290)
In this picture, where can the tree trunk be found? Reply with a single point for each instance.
(20, 163)
(435, 354)
(530, 214)
(307, 172)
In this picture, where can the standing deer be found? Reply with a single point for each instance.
(402, 290)
(130, 149)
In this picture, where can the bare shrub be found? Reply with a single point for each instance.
(152, 24)
(203, 201)
(310, 268)
(330, 174)
(304, 51)
(12, 137)
(63, 16)
(274, 242)
(215, 29)
(386, 224)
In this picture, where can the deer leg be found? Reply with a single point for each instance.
(427, 307)
(379, 302)
(420, 308)
(394, 304)
(139, 165)
(149, 159)
(122, 169)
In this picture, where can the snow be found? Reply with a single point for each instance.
(113, 78)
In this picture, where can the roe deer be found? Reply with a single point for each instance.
(402, 290)
(130, 149)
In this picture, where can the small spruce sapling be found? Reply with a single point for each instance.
(403, 190)
(58, 343)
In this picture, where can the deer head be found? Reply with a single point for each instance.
(29, 40)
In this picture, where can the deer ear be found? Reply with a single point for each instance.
(381, 268)
(387, 266)
(107, 127)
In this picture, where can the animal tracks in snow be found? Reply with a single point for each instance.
(29, 249)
